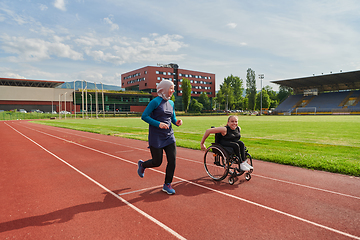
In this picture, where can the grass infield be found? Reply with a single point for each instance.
(328, 143)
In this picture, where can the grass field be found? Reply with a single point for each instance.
(329, 143)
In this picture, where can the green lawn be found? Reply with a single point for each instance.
(329, 143)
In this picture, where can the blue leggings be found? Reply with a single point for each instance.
(157, 157)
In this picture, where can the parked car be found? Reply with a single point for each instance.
(37, 110)
(65, 112)
(22, 111)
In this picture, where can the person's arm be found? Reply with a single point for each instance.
(153, 104)
(221, 130)
(173, 117)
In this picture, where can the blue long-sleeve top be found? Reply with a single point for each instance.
(160, 110)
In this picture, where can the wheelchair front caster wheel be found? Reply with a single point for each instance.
(247, 176)
(231, 180)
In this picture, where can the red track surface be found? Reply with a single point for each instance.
(63, 184)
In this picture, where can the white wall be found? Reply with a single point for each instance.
(10, 93)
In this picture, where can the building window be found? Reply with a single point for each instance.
(157, 72)
(158, 78)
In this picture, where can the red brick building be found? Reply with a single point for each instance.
(146, 79)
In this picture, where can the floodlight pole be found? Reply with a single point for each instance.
(65, 103)
(261, 76)
(74, 101)
(82, 98)
(96, 101)
(90, 105)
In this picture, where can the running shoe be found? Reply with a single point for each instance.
(168, 189)
(248, 165)
(243, 167)
(140, 170)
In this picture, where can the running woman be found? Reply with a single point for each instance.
(159, 114)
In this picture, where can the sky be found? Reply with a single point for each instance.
(97, 41)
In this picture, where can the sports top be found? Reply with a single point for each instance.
(160, 110)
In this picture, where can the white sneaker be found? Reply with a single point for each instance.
(248, 165)
(243, 167)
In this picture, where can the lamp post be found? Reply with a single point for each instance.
(74, 100)
(261, 76)
(82, 98)
(65, 103)
(86, 100)
(90, 105)
(59, 106)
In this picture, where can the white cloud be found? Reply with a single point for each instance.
(121, 50)
(60, 4)
(19, 19)
(231, 25)
(113, 26)
(34, 49)
(2, 17)
(43, 7)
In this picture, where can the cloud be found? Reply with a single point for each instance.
(35, 49)
(231, 25)
(43, 7)
(60, 4)
(113, 26)
(120, 50)
(19, 19)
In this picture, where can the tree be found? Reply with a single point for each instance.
(236, 84)
(204, 100)
(273, 96)
(186, 93)
(195, 106)
(227, 95)
(251, 88)
(265, 100)
(284, 92)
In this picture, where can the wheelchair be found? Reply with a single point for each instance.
(220, 161)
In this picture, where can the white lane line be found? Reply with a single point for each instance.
(146, 189)
(200, 162)
(222, 193)
(305, 186)
(106, 189)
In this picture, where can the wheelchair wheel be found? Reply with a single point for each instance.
(215, 163)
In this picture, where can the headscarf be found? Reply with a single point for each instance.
(163, 89)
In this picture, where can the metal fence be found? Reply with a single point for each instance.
(11, 115)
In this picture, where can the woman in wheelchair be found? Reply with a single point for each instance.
(230, 137)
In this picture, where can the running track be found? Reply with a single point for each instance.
(64, 184)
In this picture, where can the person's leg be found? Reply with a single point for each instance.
(157, 157)
(242, 150)
(236, 148)
(243, 157)
(170, 151)
(233, 145)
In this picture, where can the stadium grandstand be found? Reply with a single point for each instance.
(337, 93)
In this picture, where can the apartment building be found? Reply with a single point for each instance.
(146, 79)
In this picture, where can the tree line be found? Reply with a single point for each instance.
(233, 96)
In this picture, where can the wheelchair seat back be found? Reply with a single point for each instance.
(229, 150)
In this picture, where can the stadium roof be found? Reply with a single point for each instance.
(29, 83)
(330, 82)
